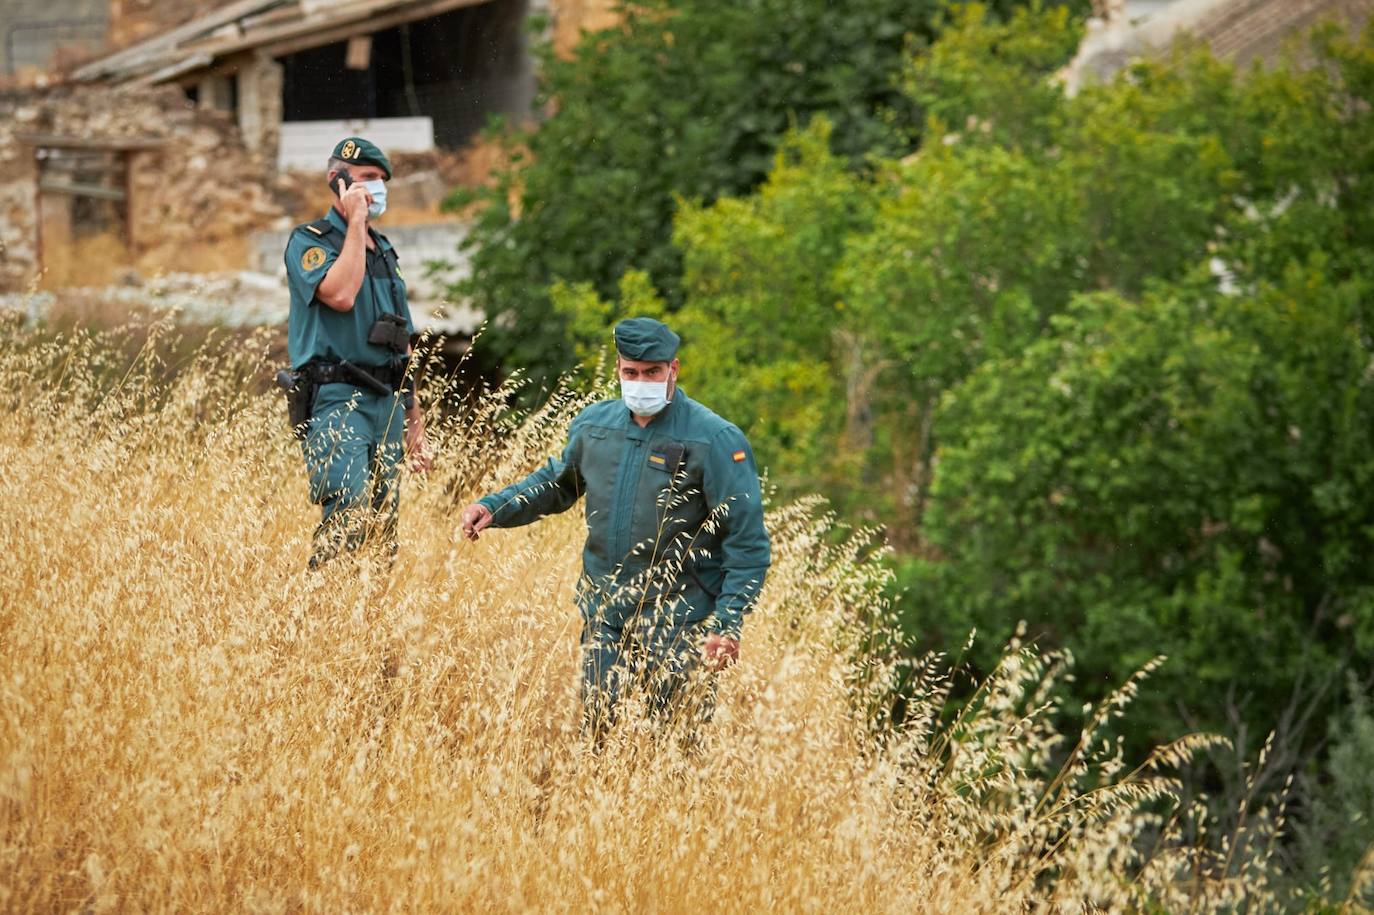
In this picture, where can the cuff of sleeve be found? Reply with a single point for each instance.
(492, 506)
(728, 624)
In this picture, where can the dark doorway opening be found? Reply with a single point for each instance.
(458, 68)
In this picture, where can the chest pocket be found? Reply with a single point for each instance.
(667, 458)
(599, 463)
(669, 476)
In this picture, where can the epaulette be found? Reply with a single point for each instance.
(320, 227)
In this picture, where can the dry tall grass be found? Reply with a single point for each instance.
(191, 721)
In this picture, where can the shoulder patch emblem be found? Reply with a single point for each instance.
(313, 258)
(738, 456)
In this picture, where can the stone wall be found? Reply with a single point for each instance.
(202, 188)
(34, 33)
(570, 18)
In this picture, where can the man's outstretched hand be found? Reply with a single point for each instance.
(417, 447)
(475, 517)
(720, 651)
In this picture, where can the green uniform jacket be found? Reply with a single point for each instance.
(674, 514)
(318, 332)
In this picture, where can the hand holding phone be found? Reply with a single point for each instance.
(342, 181)
(354, 198)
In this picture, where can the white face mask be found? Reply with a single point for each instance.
(644, 398)
(377, 189)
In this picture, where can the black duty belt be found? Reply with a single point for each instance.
(379, 379)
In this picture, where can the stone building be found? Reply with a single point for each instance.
(416, 72)
(176, 96)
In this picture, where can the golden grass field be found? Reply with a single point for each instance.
(191, 721)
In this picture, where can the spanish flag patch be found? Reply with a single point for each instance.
(738, 456)
(658, 459)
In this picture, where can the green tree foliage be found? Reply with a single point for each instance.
(989, 76)
(1335, 833)
(1099, 363)
(766, 323)
(1174, 466)
(1169, 475)
(682, 100)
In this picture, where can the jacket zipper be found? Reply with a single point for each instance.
(624, 502)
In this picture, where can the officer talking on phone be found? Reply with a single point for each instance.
(351, 396)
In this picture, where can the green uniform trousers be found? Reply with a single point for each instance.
(353, 457)
(662, 659)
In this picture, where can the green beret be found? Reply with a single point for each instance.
(363, 152)
(645, 340)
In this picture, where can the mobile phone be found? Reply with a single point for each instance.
(342, 181)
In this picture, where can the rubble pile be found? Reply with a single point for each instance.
(234, 299)
(239, 299)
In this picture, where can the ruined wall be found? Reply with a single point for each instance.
(202, 189)
(570, 18)
(1248, 30)
(36, 35)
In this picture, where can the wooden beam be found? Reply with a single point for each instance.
(79, 189)
(160, 59)
(273, 16)
(339, 26)
(141, 54)
(172, 71)
(224, 66)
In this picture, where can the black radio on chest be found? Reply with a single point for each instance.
(390, 331)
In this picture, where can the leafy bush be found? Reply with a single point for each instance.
(1335, 830)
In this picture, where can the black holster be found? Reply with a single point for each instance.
(301, 387)
(300, 400)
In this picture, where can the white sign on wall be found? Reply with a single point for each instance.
(307, 144)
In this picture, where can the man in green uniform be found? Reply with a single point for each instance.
(349, 343)
(676, 550)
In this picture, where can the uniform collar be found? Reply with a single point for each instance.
(337, 221)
